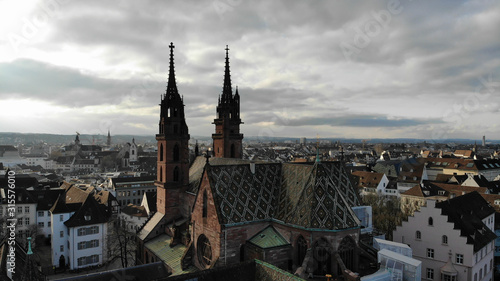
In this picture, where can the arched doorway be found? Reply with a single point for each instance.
(322, 252)
(301, 250)
(346, 251)
(62, 262)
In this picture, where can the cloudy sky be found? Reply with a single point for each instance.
(362, 69)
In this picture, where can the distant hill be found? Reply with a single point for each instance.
(8, 138)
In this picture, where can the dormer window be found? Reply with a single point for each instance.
(87, 217)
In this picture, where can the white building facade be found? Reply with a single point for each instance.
(88, 245)
(446, 231)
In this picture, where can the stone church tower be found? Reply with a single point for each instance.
(173, 151)
(227, 140)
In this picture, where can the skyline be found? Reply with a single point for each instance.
(337, 70)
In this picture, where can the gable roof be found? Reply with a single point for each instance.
(151, 200)
(466, 212)
(45, 198)
(368, 179)
(154, 221)
(459, 190)
(91, 212)
(317, 196)
(135, 211)
(268, 238)
(414, 191)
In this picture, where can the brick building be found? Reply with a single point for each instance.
(223, 210)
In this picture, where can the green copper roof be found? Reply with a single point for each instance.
(169, 255)
(268, 238)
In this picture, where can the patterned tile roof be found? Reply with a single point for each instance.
(198, 166)
(318, 196)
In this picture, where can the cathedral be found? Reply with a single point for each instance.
(221, 210)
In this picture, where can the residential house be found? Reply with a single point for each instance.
(489, 168)
(469, 154)
(25, 212)
(79, 229)
(132, 217)
(481, 181)
(411, 172)
(45, 200)
(371, 183)
(414, 198)
(417, 196)
(460, 229)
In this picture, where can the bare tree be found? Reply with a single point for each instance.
(121, 243)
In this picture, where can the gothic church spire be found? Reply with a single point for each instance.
(227, 90)
(171, 86)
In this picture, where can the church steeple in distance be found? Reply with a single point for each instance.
(227, 140)
(173, 151)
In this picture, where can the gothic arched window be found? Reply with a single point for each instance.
(176, 152)
(322, 253)
(205, 204)
(233, 151)
(176, 173)
(161, 152)
(301, 250)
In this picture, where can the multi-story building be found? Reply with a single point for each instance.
(130, 190)
(25, 213)
(79, 228)
(45, 200)
(458, 233)
(132, 217)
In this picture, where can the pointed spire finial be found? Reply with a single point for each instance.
(227, 90)
(171, 86)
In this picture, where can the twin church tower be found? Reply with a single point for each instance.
(173, 138)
